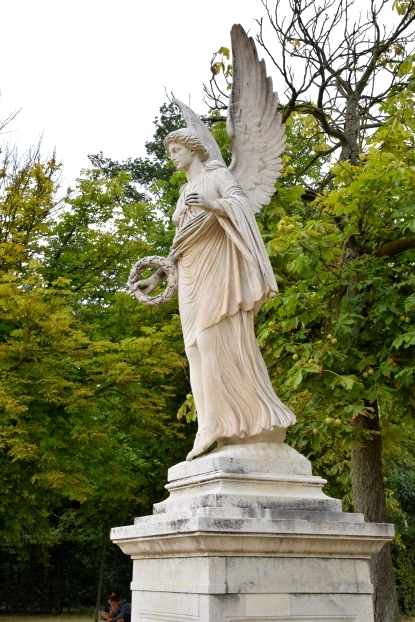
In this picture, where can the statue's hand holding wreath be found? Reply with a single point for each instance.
(141, 288)
(165, 267)
(148, 285)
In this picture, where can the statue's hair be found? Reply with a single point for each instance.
(186, 137)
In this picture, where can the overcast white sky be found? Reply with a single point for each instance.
(90, 75)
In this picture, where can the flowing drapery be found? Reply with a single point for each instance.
(224, 276)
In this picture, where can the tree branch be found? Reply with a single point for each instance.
(389, 249)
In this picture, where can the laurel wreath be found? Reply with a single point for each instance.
(170, 272)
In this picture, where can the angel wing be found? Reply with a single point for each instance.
(254, 123)
(196, 124)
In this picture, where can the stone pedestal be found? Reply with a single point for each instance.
(247, 535)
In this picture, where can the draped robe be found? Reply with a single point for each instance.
(224, 274)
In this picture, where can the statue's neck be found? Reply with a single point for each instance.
(195, 168)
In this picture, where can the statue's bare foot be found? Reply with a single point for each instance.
(203, 442)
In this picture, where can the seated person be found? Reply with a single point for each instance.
(120, 610)
(111, 608)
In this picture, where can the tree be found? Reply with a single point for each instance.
(344, 77)
(90, 382)
(154, 176)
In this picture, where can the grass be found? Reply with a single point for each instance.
(70, 617)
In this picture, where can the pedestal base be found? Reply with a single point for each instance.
(248, 535)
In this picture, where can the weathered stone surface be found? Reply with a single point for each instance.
(273, 457)
(218, 575)
(153, 607)
(215, 550)
(261, 476)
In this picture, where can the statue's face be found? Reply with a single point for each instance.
(181, 156)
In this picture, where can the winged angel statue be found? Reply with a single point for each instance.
(219, 260)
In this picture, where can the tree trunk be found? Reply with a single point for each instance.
(98, 603)
(56, 578)
(350, 150)
(369, 498)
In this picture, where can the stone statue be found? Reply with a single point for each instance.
(223, 271)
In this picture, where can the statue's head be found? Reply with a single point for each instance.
(183, 145)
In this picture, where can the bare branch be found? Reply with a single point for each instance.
(332, 65)
(316, 158)
(5, 122)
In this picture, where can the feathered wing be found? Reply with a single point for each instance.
(254, 123)
(195, 124)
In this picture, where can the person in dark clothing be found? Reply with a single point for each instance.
(120, 610)
(111, 607)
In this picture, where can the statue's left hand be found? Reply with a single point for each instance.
(198, 200)
(141, 288)
(147, 285)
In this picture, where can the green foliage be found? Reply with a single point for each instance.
(307, 155)
(90, 381)
(340, 336)
(218, 130)
(402, 481)
(143, 173)
(401, 6)
(94, 396)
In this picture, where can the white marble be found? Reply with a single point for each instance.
(218, 575)
(215, 551)
(246, 533)
(223, 271)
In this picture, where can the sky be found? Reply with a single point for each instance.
(90, 75)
